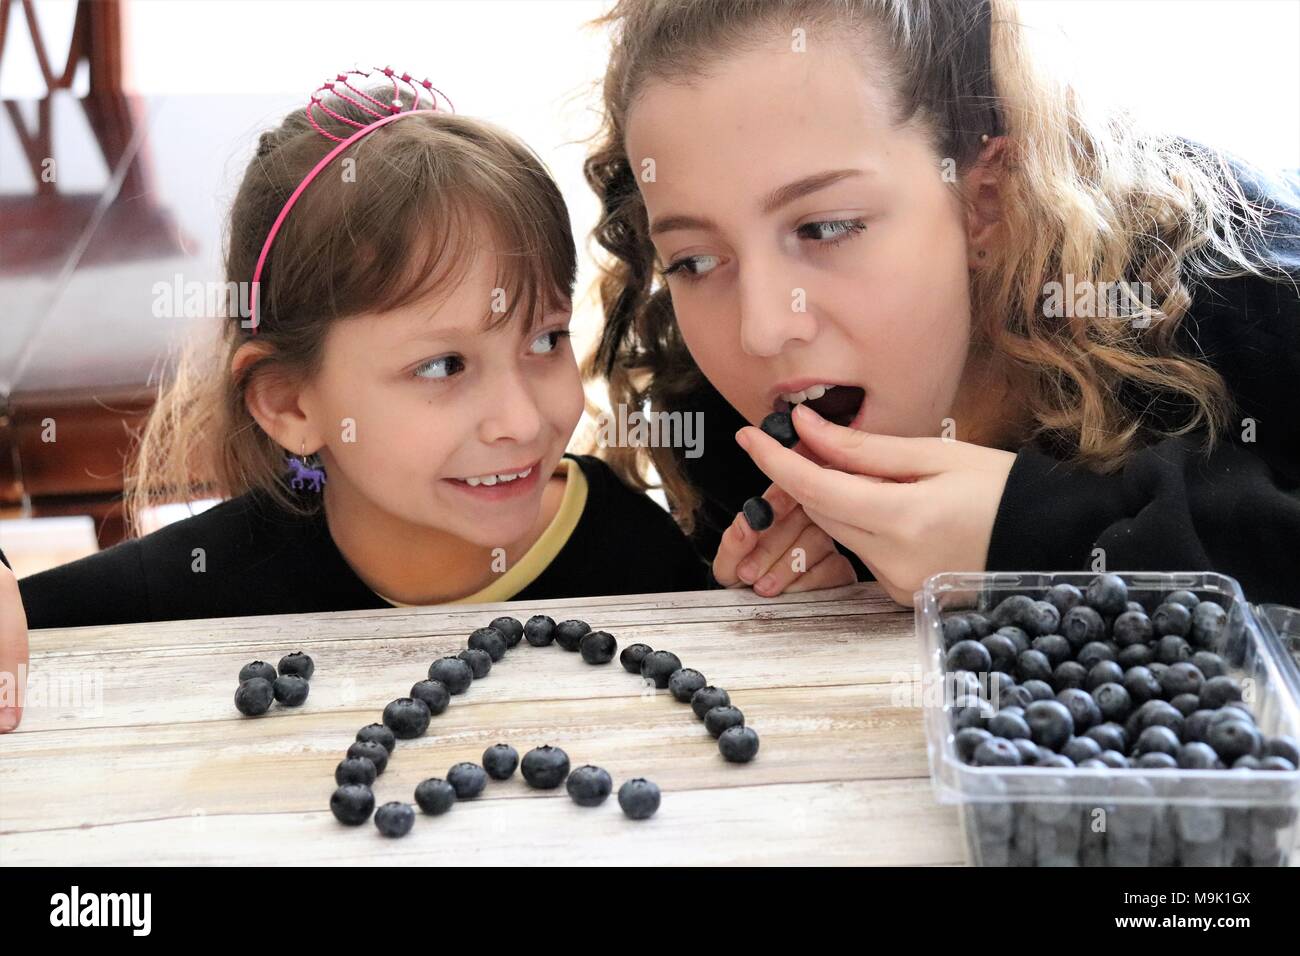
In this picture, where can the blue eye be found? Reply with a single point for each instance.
(444, 366)
(553, 337)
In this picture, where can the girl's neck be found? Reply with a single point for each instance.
(414, 564)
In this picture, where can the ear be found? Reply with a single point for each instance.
(273, 398)
(984, 189)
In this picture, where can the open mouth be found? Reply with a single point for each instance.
(836, 403)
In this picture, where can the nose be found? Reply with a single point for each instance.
(511, 411)
(774, 310)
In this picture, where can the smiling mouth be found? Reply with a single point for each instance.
(839, 404)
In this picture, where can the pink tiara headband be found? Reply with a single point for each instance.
(383, 113)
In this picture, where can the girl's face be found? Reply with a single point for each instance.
(807, 242)
(442, 412)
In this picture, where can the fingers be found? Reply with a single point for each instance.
(866, 453)
(13, 651)
(810, 547)
(833, 571)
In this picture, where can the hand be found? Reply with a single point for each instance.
(908, 507)
(766, 560)
(13, 650)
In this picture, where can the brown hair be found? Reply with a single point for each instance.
(400, 228)
(1087, 195)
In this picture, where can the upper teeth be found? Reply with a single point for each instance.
(811, 392)
(493, 479)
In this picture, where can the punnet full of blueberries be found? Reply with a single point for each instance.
(1092, 679)
(544, 768)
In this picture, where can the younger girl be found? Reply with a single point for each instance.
(410, 341)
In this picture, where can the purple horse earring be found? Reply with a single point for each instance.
(303, 473)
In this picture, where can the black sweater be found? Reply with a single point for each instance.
(1236, 511)
(261, 559)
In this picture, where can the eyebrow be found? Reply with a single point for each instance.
(777, 198)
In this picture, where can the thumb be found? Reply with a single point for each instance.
(866, 453)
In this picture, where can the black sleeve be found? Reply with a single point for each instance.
(108, 587)
(1171, 508)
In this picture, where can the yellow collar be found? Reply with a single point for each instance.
(544, 550)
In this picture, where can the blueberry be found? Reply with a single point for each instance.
(1010, 609)
(1234, 738)
(720, 718)
(1107, 594)
(500, 761)
(1135, 606)
(1172, 649)
(453, 673)
(1093, 653)
(395, 819)
(1040, 689)
(378, 733)
(1197, 725)
(706, 698)
(1082, 625)
(1197, 756)
(545, 767)
(997, 753)
(1016, 696)
(1017, 635)
(1218, 691)
(1276, 763)
(372, 751)
(758, 513)
(1229, 711)
(434, 693)
(967, 739)
(1040, 618)
(569, 634)
(1030, 752)
(298, 664)
(1156, 739)
(257, 669)
(957, 628)
(407, 717)
(980, 625)
(1113, 702)
(1016, 710)
(1187, 599)
(1056, 647)
(435, 796)
(491, 640)
(1080, 749)
(467, 779)
(1002, 652)
(780, 425)
(355, 770)
(1135, 655)
(1113, 759)
(1050, 723)
(738, 744)
(1063, 597)
(632, 657)
(1156, 760)
(962, 683)
(1132, 627)
(966, 712)
(1032, 665)
(1109, 735)
(1069, 674)
(1181, 678)
(1157, 713)
(1210, 664)
(683, 683)
(1141, 685)
(1248, 762)
(589, 786)
(479, 661)
(1103, 672)
(254, 696)
(1010, 726)
(658, 666)
(639, 798)
(597, 647)
(1240, 706)
(1283, 746)
(352, 803)
(1056, 761)
(997, 687)
(539, 630)
(1185, 704)
(1083, 709)
(510, 629)
(1171, 620)
(1209, 621)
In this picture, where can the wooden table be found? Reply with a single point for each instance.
(159, 768)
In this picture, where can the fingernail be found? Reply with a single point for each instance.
(742, 438)
(765, 584)
(808, 414)
(746, 572)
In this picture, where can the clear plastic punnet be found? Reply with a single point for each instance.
(1127, 816)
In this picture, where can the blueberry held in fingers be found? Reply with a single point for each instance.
(780, 425)
(758, 513)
